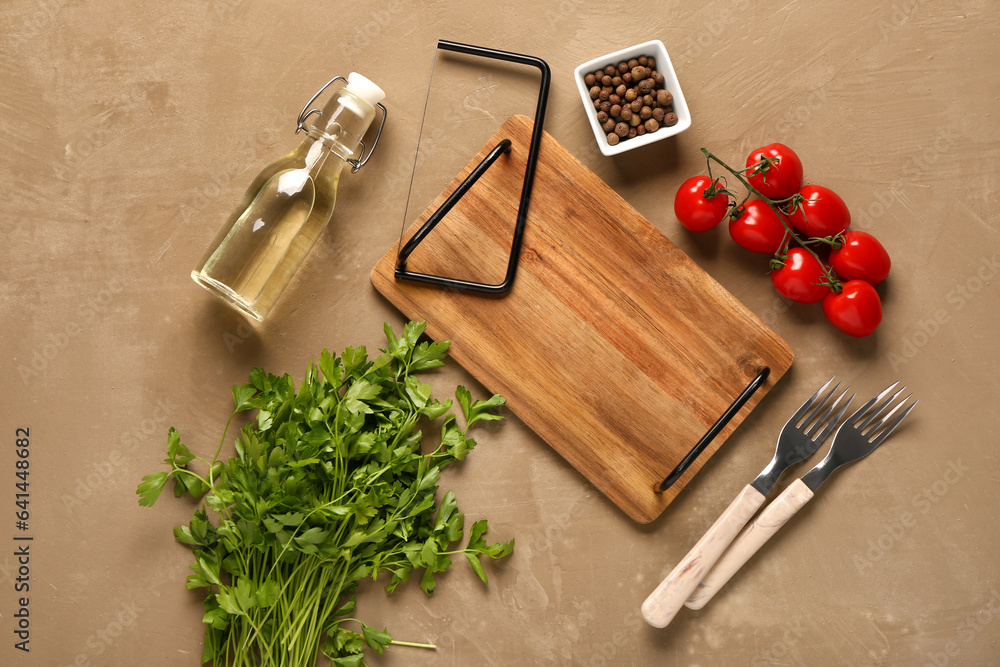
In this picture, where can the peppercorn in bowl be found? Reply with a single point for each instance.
(632, 97)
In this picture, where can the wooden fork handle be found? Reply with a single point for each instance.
(753, 538)
(664, 602)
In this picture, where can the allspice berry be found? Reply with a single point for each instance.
(630, 99)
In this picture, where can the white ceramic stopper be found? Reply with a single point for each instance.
(364, 88)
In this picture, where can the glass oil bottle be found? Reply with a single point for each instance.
(290, 202)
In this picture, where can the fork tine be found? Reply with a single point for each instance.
(891, 427)
(817, 408)
(861, 412)
(836, 418)
(869, 431)
(822, 418)
(808, 404)
(879, 409)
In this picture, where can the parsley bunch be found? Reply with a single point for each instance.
(329, 485)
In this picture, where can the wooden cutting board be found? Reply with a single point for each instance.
(612, 345)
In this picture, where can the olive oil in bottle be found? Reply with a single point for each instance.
(289, 203)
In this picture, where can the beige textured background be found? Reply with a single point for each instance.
(129, 130)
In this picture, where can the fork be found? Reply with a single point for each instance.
(859, 436)
(799, 438)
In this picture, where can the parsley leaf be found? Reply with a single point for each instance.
(243, 397)
(376, 639)
(475, 411)
(149, 489)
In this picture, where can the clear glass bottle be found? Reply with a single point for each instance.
(289, 203)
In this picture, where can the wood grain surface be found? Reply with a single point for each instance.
(613, 345)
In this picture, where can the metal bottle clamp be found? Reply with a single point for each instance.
(306, 112)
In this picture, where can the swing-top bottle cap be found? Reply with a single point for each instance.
(364, 88)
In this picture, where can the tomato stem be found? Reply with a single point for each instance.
(759, 167)
(790, 235)
(835, 242)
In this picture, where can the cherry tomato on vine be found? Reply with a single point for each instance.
(696, 211)
(757, 228)
(801, 278)
(857, 310)
(778, 180)
(821, 213)
(861, 257)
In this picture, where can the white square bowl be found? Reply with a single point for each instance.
(652, 48)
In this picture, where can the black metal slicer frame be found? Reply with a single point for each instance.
(406, 249)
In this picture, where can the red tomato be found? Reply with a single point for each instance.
(826, 214)
(778, 180)
(857, 310)
(697, 212)
(758, 228)
(861, 257)
(799, 279)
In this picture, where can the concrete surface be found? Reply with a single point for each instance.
(129, 130)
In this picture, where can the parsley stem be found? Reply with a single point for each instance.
(413, 644)
(211, 467)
